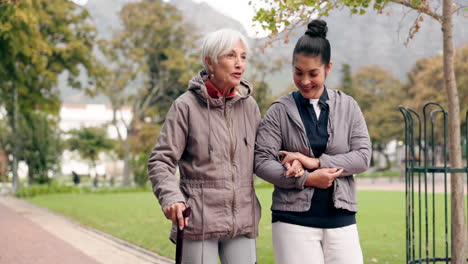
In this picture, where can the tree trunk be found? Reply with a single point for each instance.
(381, 150)
(126, 144)
(456, 179)
(372, 161)
(127, 167)
(30, 176)
(3, 175)
(3, 166)
(15, 147)
(126, 156)
(388, 164)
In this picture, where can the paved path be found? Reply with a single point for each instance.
(395, 184)
(23, 242)
(33, 235)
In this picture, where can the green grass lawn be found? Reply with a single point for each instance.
(137, 217)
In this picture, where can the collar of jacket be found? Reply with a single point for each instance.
(197, 85)
(322, 100)
(215, 93)
(293, 112)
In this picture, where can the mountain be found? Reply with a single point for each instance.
(377, 39)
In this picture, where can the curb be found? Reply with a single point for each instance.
(120, 244)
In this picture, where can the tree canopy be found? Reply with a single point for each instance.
(44, 38)
(89, 142)
(149, 65)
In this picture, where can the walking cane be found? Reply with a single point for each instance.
(180, 237)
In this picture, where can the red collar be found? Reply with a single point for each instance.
(215, 93)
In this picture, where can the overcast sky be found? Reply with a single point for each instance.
(239, 10)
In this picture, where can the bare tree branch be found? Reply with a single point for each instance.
(422, 9)
(459, 8)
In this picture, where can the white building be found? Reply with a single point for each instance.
(92, 115)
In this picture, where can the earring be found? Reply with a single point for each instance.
(211, 75)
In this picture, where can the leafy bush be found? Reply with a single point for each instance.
(139, 168)
(35, 190)
(377, 174)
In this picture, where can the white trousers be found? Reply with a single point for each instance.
(295, 244)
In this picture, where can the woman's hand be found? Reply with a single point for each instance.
(174, 213)
(294, 169)
(323, 178)
(307, 162)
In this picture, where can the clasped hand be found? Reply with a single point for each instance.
(295, 162)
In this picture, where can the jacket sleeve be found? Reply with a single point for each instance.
(165, 155)
(357, 160)
(267, 147)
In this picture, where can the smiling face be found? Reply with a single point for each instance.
(309, 74)
(227, 73)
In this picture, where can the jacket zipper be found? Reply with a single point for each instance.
(231, 140)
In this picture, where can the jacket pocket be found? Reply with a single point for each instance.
(193, 201)
(292, 199)
(344, 194)
(248, 210)
(280, 197)
(211, 213)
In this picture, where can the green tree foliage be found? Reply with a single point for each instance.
(43, 38)
(39, 40)
(347, 80)
(426, 82)
(378, 94)
(262, 95)
(89, 143)
(40, 145)
(260, 67)
(278, 15)
(4, 132)
(157, 50)
(150, 63)
(139, 168)
(141, 144)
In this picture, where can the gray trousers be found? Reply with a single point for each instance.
(236, 250)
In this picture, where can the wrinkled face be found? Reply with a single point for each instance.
(229, 69)
(309, 74)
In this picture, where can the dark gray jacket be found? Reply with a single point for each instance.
(348, 148)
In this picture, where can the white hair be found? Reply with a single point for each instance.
(219, 43)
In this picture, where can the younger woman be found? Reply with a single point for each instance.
(324, 132)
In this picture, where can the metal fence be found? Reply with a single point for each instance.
(428, 234)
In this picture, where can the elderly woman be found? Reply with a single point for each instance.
(209, 133)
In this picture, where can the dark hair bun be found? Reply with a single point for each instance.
(317, 28)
